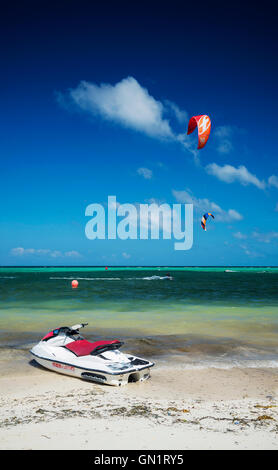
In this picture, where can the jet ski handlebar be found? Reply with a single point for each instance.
(77, 327)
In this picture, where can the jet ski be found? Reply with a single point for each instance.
(64, 350)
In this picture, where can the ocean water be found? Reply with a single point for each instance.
(221, 317)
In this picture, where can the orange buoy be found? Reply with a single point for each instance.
(106, 267)
(74, 283)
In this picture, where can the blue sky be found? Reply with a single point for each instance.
(95, 101)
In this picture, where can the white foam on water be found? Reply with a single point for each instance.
(150, 278)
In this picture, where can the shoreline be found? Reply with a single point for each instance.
(176, 409)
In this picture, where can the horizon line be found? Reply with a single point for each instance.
(139, 266)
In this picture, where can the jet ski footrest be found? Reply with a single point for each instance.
(83, 347)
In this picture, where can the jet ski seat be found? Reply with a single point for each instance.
(82, 347)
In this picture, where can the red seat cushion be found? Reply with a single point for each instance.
(82, 347)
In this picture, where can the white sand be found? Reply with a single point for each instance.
(180, 409)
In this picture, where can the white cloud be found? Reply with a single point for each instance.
(126, 103)
(234, 215)
(223, 132)
(145, 172)
(273, 181)
(20, 251)
(129, 104)
(225, 146)
(240, 236)
(179, 114)
(204, 205)
(55, 254)
(265, 237)
(223, 135)
(125, 255)
(189, 143)
(230, 174)
(250, 252)
(159, 218)
(72, 254)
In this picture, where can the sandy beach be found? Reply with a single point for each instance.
(176, 409)
(211, 335)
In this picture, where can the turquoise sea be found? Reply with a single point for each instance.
(220, 316)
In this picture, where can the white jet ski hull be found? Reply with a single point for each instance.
(117, 378)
